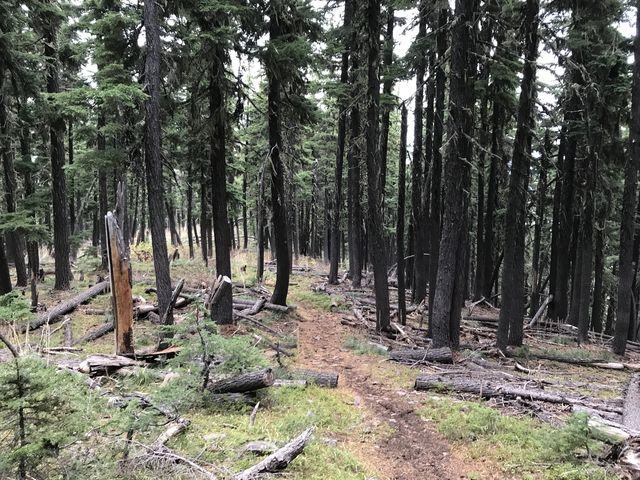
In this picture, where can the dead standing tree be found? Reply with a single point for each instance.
(120, 273)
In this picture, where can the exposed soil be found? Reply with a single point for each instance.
(414, 450)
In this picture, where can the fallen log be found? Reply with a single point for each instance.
(321, 379)
(539, 313)
(259, 305)
(172, 302)
(55, 314)
(631, 415)
(105, 364)
(290, 383)
(274, 346)
(278, 460)
(256, 323)
(96, 334)
(246, 382)
(240, 304)
(489, 390)
(432, 355)
(175, 428)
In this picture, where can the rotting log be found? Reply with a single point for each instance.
(56, 313)
(280, 459)
(99, 332)
(490, 390)
(430, 355)
(321, 379)
(120, 273)
(239, 304)
(174, 429)
(104, 364)
(631, 415)
(246, 382)
(259, 305)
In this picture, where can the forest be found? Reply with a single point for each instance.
(339, 239)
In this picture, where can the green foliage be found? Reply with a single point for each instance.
(57, 409)
(15, 308)
(363, 348)
(519, 444)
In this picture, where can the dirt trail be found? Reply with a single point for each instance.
(414, 450)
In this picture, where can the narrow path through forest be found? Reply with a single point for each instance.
(412, 449)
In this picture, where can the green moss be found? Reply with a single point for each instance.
(519, 445)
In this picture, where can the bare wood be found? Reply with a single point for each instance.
(246, 382)
(174, 298)
(434, 355)
(259, 305)
(175, 428)
(278, 460)
(120, 272)
(220, 296)
(106, 363)
(290, 383)
(68, 333)
(240, 304)
(540, 311)
(254, 412)
(489, 390)
(631, 415)
(55, 314)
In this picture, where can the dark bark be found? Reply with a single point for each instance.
(402, 167)
(555, 223)
(354, 157)
(451, 261)
(387, 86)
(33, 254)
(278, 198)
(5, 278)
(536, 267)
(72, 186)
(246, 382)
(189, 212)
(420, 232)
(153, 159)
(437, 355)
(629, 201)
(56, 132)
(342, 133)
(217, 117)
(245, 222)
(510, 325)
(204, 218)
(102, 193)
(374, 169)
(436, 162)
(597, 308)
(14, 237)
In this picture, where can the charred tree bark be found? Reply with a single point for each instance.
(342, 133)
(402, 167)
(629, 201)
(420, 232)
(436, 162)
(56, 133)
(278, 197)
(153, 159)
(374, 169)
(102, 192)
(387, 58)
(217, 117)
(510, 325)
(451, 260)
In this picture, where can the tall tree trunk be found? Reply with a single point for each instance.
(153, 162)
(33, 254)
(597, 309)
(278, 198)
(451, 260)
(436, 162)
(5, 277)
(536, 267)
(13, 237)
(629, 200)
(354, 157)
(555, 223)
(387, 86)
(102, 193)
(374, 169)
(510, 324)
(189, 211)
(217, 117)
(420, 232)
(342, 133)
(56, 132)
(245, 221)
(72, 186)
(402, 166)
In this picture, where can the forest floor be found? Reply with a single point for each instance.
(374, 425)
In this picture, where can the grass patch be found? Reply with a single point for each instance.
(519, 445)
(362, 347)
(283, 414)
